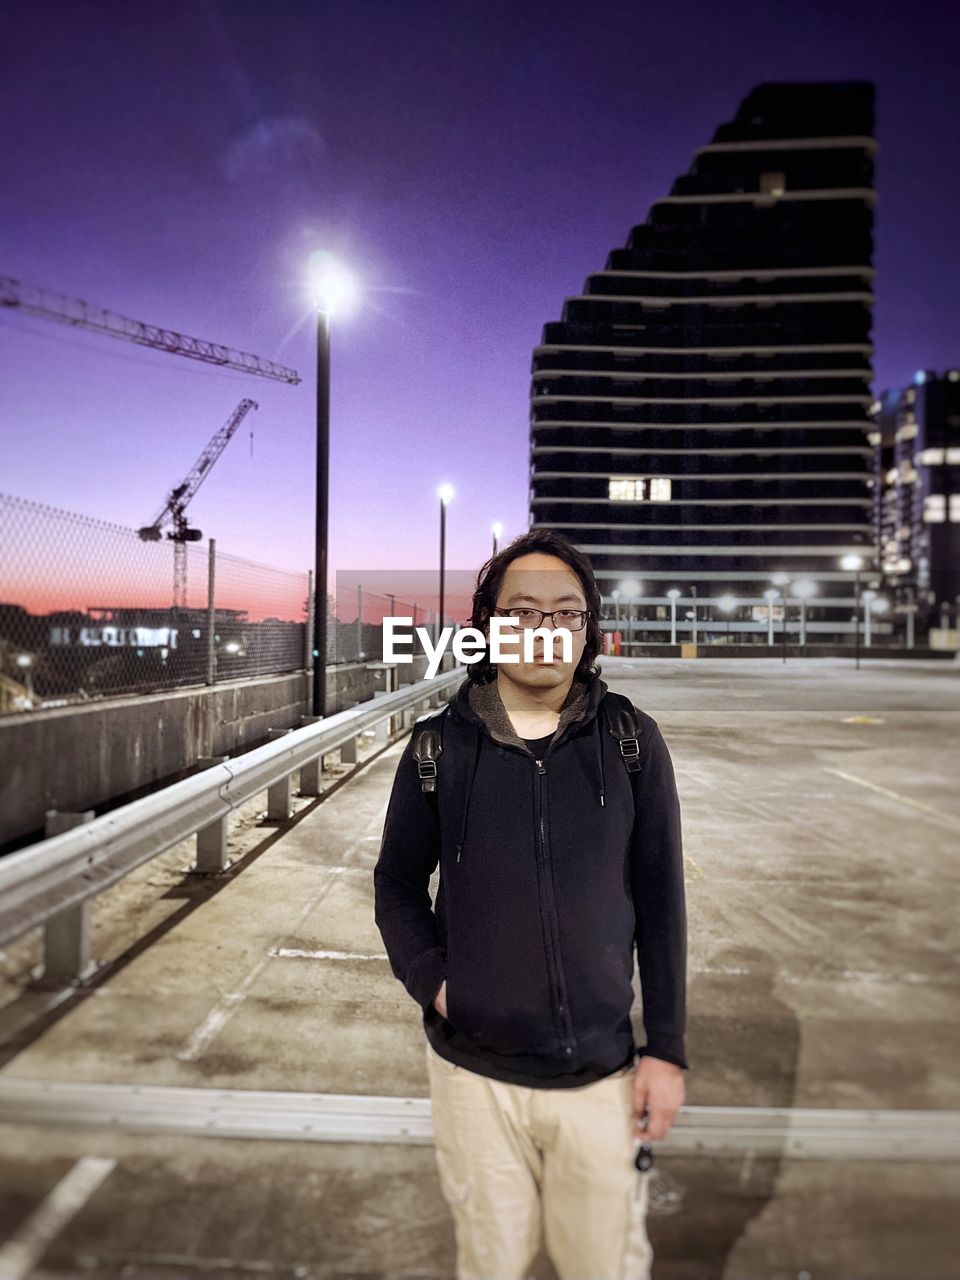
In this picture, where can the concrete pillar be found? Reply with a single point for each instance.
(278, 796)
(66, 935)
(311, 775)
(211, 840)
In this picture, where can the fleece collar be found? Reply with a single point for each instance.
(482, 704)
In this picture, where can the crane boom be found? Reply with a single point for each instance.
(178, 498)
(76, 312)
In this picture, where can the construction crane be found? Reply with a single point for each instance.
(179, 498)
(79, 314)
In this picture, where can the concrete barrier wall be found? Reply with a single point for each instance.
(93, 756)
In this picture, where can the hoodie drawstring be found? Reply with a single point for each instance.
(466, 806)
(600, 756)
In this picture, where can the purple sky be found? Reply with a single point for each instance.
(473, 162)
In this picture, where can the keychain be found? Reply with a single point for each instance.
(644, 1160)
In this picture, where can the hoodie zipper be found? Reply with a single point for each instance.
(562, 1003)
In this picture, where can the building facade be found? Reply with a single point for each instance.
(918, 439)
(701, 413)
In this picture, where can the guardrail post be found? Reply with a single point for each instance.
(381, 730)
(311, 775)
(66, 935)
(278, 796)
(348, 750)
(211, 840)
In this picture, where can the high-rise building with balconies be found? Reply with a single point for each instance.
(700, 415)
(920, 439)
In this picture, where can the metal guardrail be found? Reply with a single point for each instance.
(783, 1133)
(52, 884)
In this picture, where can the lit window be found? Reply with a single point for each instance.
(955, 508)
(930, 457)
(934, 508)
(773, 184)
(625, 489)
(953, 457)
(660, 490)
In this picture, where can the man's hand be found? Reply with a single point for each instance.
(658, 1086)
(440, 999)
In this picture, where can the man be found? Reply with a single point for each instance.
(555, 861)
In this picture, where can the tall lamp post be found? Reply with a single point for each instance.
(631, 590)
(878, 605)
(673, 595)
(782, 580)
(727, 604)
(855, 563)
(333, 290)
(803, 590)
(445, 493)
(770, 595)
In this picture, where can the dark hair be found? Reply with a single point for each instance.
(490, 579)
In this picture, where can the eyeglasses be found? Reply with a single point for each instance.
(572, 619)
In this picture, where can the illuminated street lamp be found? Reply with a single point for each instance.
(770, 595)
(25, 663)
(803, 589)
(333, 291)
(727, 604)
(782, 580)
(873, 604)
(854, 563)
(445, 494)
(673, 595)
(631, 590)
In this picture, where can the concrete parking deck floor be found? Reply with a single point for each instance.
(821, 823)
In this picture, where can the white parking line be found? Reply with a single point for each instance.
(295, 953)
(951, 818)
(21, 1253)
(227, 1005)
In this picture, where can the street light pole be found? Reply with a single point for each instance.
(856, 619)
(332, 288)
(319, 700)
(672, 595)
(443, 555)
(445, 493)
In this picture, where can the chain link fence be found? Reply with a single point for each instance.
(358, 614)
(87, 610)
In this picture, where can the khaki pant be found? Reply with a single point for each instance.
(517, 1164)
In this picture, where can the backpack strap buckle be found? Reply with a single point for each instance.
(427, 769)
(427, 746)
(626, 726)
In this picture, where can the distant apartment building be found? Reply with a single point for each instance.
(701, 413)
(918, 449)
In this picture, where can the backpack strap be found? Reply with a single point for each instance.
(427, 747)
(623, 721)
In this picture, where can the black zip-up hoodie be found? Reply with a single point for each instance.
(551, 872)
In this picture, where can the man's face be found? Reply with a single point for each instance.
(541, 582)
